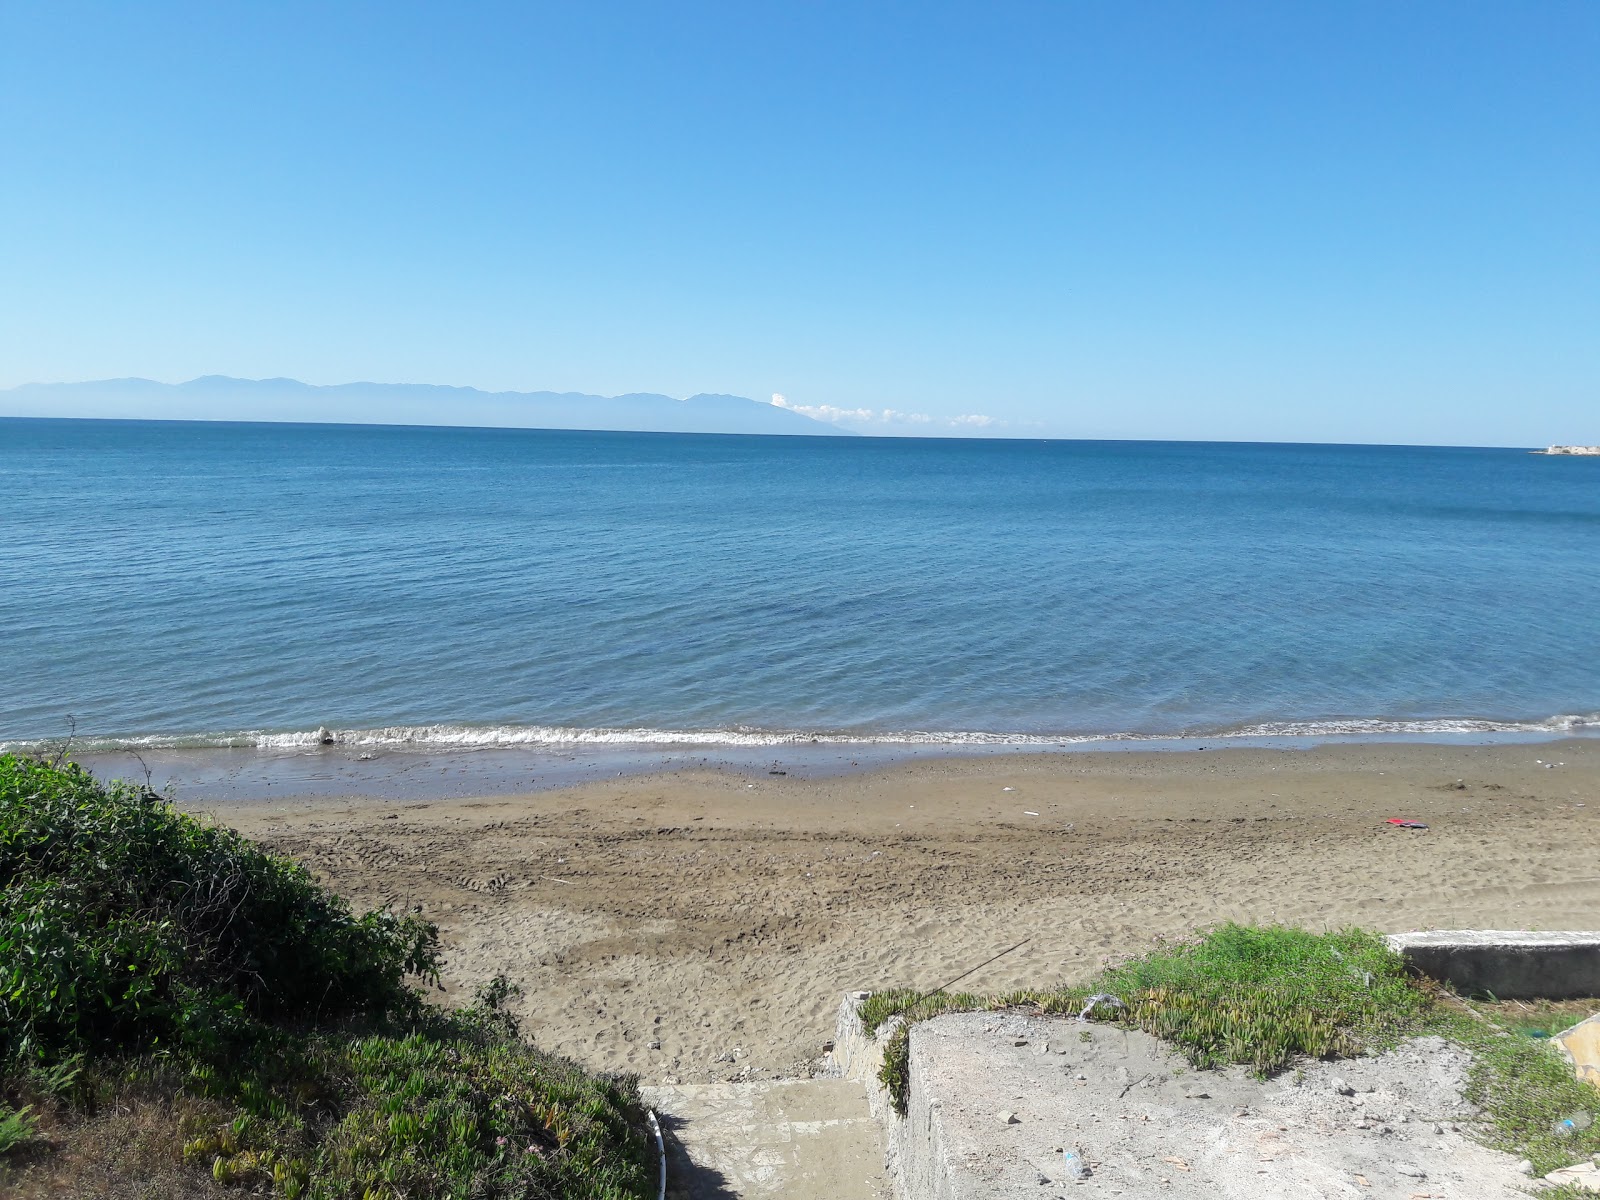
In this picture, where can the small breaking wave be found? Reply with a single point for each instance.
(476, 737)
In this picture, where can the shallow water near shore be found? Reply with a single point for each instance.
(178, 586)
(228, 776)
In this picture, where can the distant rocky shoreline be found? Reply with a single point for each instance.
(1595, 450)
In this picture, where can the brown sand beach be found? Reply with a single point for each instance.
(700, 925)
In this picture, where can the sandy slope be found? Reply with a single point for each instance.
(722, 914)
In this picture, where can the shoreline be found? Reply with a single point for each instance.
(248, 774)
(719, 912)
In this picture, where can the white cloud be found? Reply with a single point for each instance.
(885, 418)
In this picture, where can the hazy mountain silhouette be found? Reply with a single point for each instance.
(221, 398)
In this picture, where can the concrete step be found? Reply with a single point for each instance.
(811, 1139)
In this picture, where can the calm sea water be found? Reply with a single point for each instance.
(197, 584)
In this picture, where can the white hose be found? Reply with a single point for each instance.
(661, 1152)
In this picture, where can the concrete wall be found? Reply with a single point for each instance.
(915, 1153)
(1512, 964)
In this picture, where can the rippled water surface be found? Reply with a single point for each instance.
(248, 583)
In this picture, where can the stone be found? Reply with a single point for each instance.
(1525, 1167)
(1580, 1046)
(1581, 1175)
(1340, 1086)
(1010, 1118)
(655, 1043)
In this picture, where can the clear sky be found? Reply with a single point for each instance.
(1276, 221)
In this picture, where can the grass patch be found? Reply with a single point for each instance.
(191, 1014)
(1265, 997)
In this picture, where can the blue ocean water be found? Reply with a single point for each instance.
(212, 584)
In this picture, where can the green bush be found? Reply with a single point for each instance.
(127, 924)
(149, 958)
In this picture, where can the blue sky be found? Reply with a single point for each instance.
(1328, 222)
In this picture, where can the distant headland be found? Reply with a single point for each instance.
(1595, 450)
(221, 398)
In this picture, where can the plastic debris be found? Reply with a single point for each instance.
(1075, 1167)
(1406, 823)
(1576, 1123)
(1099, 998)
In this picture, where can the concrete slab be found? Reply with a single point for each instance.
(995, 1097)
(1512, 964)
(812, 1139)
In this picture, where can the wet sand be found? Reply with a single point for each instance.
(721, 912)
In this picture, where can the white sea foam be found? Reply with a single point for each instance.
(472, 737)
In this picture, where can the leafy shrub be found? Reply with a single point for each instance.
(148, 960)
(125, 924)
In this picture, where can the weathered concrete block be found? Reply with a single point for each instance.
(1513, 964)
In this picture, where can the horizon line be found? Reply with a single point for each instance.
(876, 437)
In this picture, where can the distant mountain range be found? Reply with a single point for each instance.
(221, 398)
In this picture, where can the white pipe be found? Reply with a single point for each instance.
(661, 1152)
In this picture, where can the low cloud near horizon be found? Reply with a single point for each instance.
(887, 418)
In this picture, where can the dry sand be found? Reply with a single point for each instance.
(721, 914)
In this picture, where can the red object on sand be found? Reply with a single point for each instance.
(1406, 823)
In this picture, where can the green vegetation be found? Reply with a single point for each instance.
(1254, 996)
(1264, 997)
(16, 1128)
(1524, 1089)
(149, 961)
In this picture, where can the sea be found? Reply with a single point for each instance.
(176, 586)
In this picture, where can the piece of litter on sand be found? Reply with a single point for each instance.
(1099, 998)
(1026, 813)
(1008, 789)
(1406, 823)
